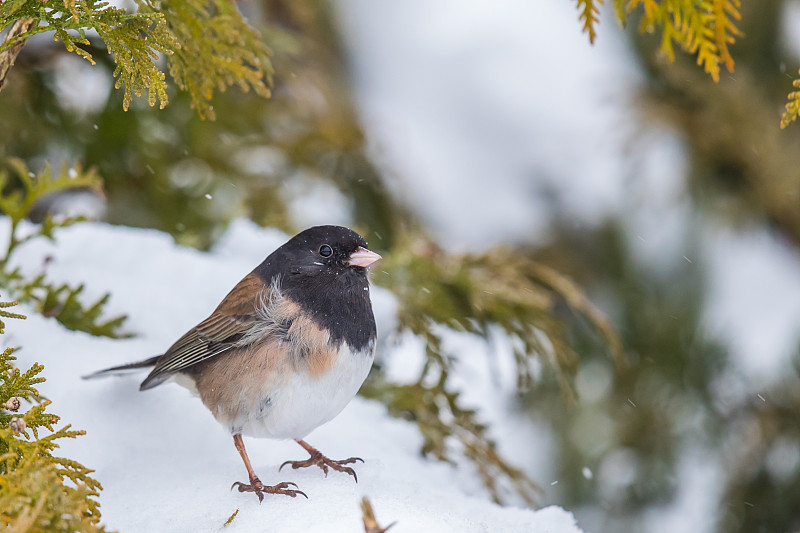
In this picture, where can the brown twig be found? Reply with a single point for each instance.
(370, 522)
(8, 56)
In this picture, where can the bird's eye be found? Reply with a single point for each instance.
(325, 250)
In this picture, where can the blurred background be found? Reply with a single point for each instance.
(674, 202)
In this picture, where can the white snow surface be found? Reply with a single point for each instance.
(166, 465)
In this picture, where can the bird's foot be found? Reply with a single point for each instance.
(261, 489)
(317, 459)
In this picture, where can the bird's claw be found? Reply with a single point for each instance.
(260, 489)
(317, 459)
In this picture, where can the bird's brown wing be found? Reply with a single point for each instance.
(226, 326)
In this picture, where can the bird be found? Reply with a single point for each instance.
(284, 352)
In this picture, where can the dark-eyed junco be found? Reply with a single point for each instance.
(285, 351)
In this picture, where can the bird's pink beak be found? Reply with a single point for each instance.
(362, 257)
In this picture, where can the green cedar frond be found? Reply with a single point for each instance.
(135, 40)
(702, 27)
(725, 31)
(620, 9)
(696, 33)
(17, 203)
(208, 44)
(588, 16)
(792, 106)
(16, 383)
(473, 294)
(135, 45)
(439, 416)
(8, 314)
(230, 518)
(69, 5)
(216, 48)
(62, 301)
(39, 491)
(8, 12)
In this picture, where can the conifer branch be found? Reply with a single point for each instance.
(59, 301)
(702, 27)
(215, 49)
(12, 45)
(588, 16)
(18, 203)
(621, 10)
(39, 491)
(792, 106)
(725, 30)
(208, 44)
(474, 294)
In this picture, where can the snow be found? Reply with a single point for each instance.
(166, 465)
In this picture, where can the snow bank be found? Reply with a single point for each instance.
(165, 464)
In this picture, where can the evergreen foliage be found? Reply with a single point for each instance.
(501, 287)
(706, 28)
(703, 27)
(443, 421)
(59, 301)
(474, 293)
(39, 491)
(792, 106)
(216, 49)
(230, 519)
(589, 10)
(7, 314)
(207, 43)
(17, 202)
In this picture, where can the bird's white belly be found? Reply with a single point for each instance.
(304, 402)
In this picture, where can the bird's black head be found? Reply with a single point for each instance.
(323, 269)
(326, 250)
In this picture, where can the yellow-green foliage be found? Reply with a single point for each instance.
(588, 15)
(703, 27)
(439, 416)
(39, 491)
(706, 28)
(230, 519)
(792, 106)
(207, 43)
(474, 293)
(17, 202)
(502, 288)
(216, 49)
(62, 302)
(59, 301)
(7, 314)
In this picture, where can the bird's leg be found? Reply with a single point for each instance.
(255, 483)
(323, 462)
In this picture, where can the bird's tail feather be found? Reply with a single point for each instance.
(121, 370)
